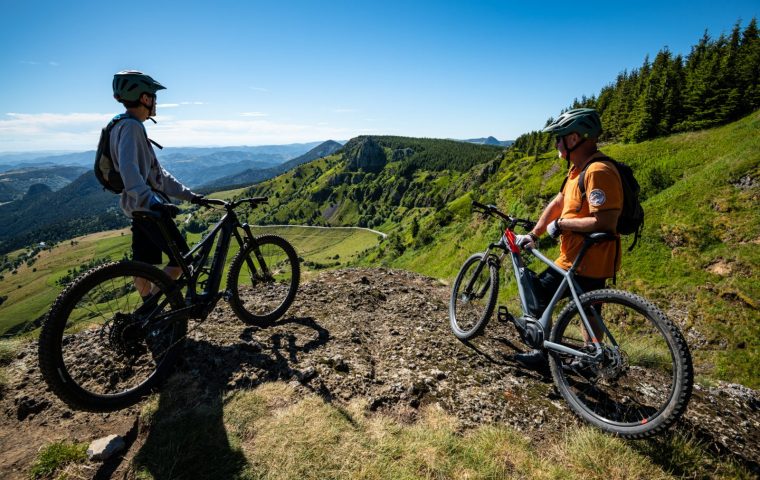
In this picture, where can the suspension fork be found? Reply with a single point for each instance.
(486, 260)
(251, 239)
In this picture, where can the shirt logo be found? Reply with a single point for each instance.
(597, 198)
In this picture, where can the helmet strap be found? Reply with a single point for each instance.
(570, 150)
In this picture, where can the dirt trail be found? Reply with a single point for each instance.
(374, 333)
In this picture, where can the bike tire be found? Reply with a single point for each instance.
(257, 299)
(467, 317)
(641, 388)
(92, 352)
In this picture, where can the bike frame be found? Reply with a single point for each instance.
(507, 244)
(192, 263)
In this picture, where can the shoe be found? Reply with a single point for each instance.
(534, 360)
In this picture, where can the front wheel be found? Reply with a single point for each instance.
(263, 280)
(473, 297)
(101, 347)
(642, 383)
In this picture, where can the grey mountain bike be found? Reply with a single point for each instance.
(617, 360)
(103, 346)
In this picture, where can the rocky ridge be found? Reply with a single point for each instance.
(378, 334)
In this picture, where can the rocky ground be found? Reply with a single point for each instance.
(374, 333)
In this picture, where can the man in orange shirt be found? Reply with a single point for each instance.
(570, 215)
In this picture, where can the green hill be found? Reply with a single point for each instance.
(28, 290)
(698, 258)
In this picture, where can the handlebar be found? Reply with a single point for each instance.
(492, 211)
(253, 201)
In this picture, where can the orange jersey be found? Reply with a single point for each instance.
(604, 191)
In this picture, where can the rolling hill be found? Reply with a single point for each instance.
(256, 175)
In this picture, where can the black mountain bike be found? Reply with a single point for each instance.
(103, 346)
(618, 361)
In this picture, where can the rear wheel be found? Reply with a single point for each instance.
(643, 381)
(101, 348)
(263, 280)
(473, 297)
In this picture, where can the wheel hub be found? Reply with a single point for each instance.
(126, 336)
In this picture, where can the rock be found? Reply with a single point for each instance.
(365, 154)
(104, 448)
(26, 406)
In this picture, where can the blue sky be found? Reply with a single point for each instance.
(253, 73)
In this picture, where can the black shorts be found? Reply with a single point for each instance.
(549, 280)
(148, 242)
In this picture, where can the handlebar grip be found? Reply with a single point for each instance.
(212, 201)
(479, 205)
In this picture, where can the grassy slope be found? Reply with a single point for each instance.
(699, 217)
(32, 290)
(270, 432)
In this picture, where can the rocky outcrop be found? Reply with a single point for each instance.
(375, 334)
(364, 154)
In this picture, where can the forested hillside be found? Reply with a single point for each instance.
(716, 83)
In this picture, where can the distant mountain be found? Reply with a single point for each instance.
(197, 170)
(490, 141)
(43, 215)
(14, 183)
(255, 175)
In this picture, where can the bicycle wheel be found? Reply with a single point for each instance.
(643, 382)
(473, 297)
(263, 280)
(101, 348)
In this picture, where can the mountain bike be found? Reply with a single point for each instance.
(616, 358)
(103, 346)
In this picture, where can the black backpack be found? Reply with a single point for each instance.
(104, 168)
(631, 220)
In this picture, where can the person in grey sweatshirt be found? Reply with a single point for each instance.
(147, 185)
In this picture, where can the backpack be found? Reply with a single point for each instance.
(631, 220)
(104, 168)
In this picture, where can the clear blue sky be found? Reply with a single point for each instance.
(254, 72)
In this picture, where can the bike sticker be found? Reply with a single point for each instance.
(597, 198)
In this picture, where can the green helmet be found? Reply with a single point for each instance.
(583, 121)
(128, 85)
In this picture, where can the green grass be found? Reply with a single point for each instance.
(273, 432)
(32, 290)
(55, 457)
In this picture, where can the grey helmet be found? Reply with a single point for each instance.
(583, 121)
(128, 85)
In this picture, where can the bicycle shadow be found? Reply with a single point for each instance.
(499, 349)
(187, 437)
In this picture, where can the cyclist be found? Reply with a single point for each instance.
(569, 216)
(147, 185)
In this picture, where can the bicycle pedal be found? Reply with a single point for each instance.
(503, 315)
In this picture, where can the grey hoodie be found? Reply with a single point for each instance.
(134, 158)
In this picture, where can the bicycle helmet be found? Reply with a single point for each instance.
(128, 85)
(583, 121)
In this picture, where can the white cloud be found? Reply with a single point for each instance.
(43, 131)
(253, 114)
(80, 131)
(167, 105)
(28, 62)
(54, 64)
(191, 103)
(345, 110)
(259, 89)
